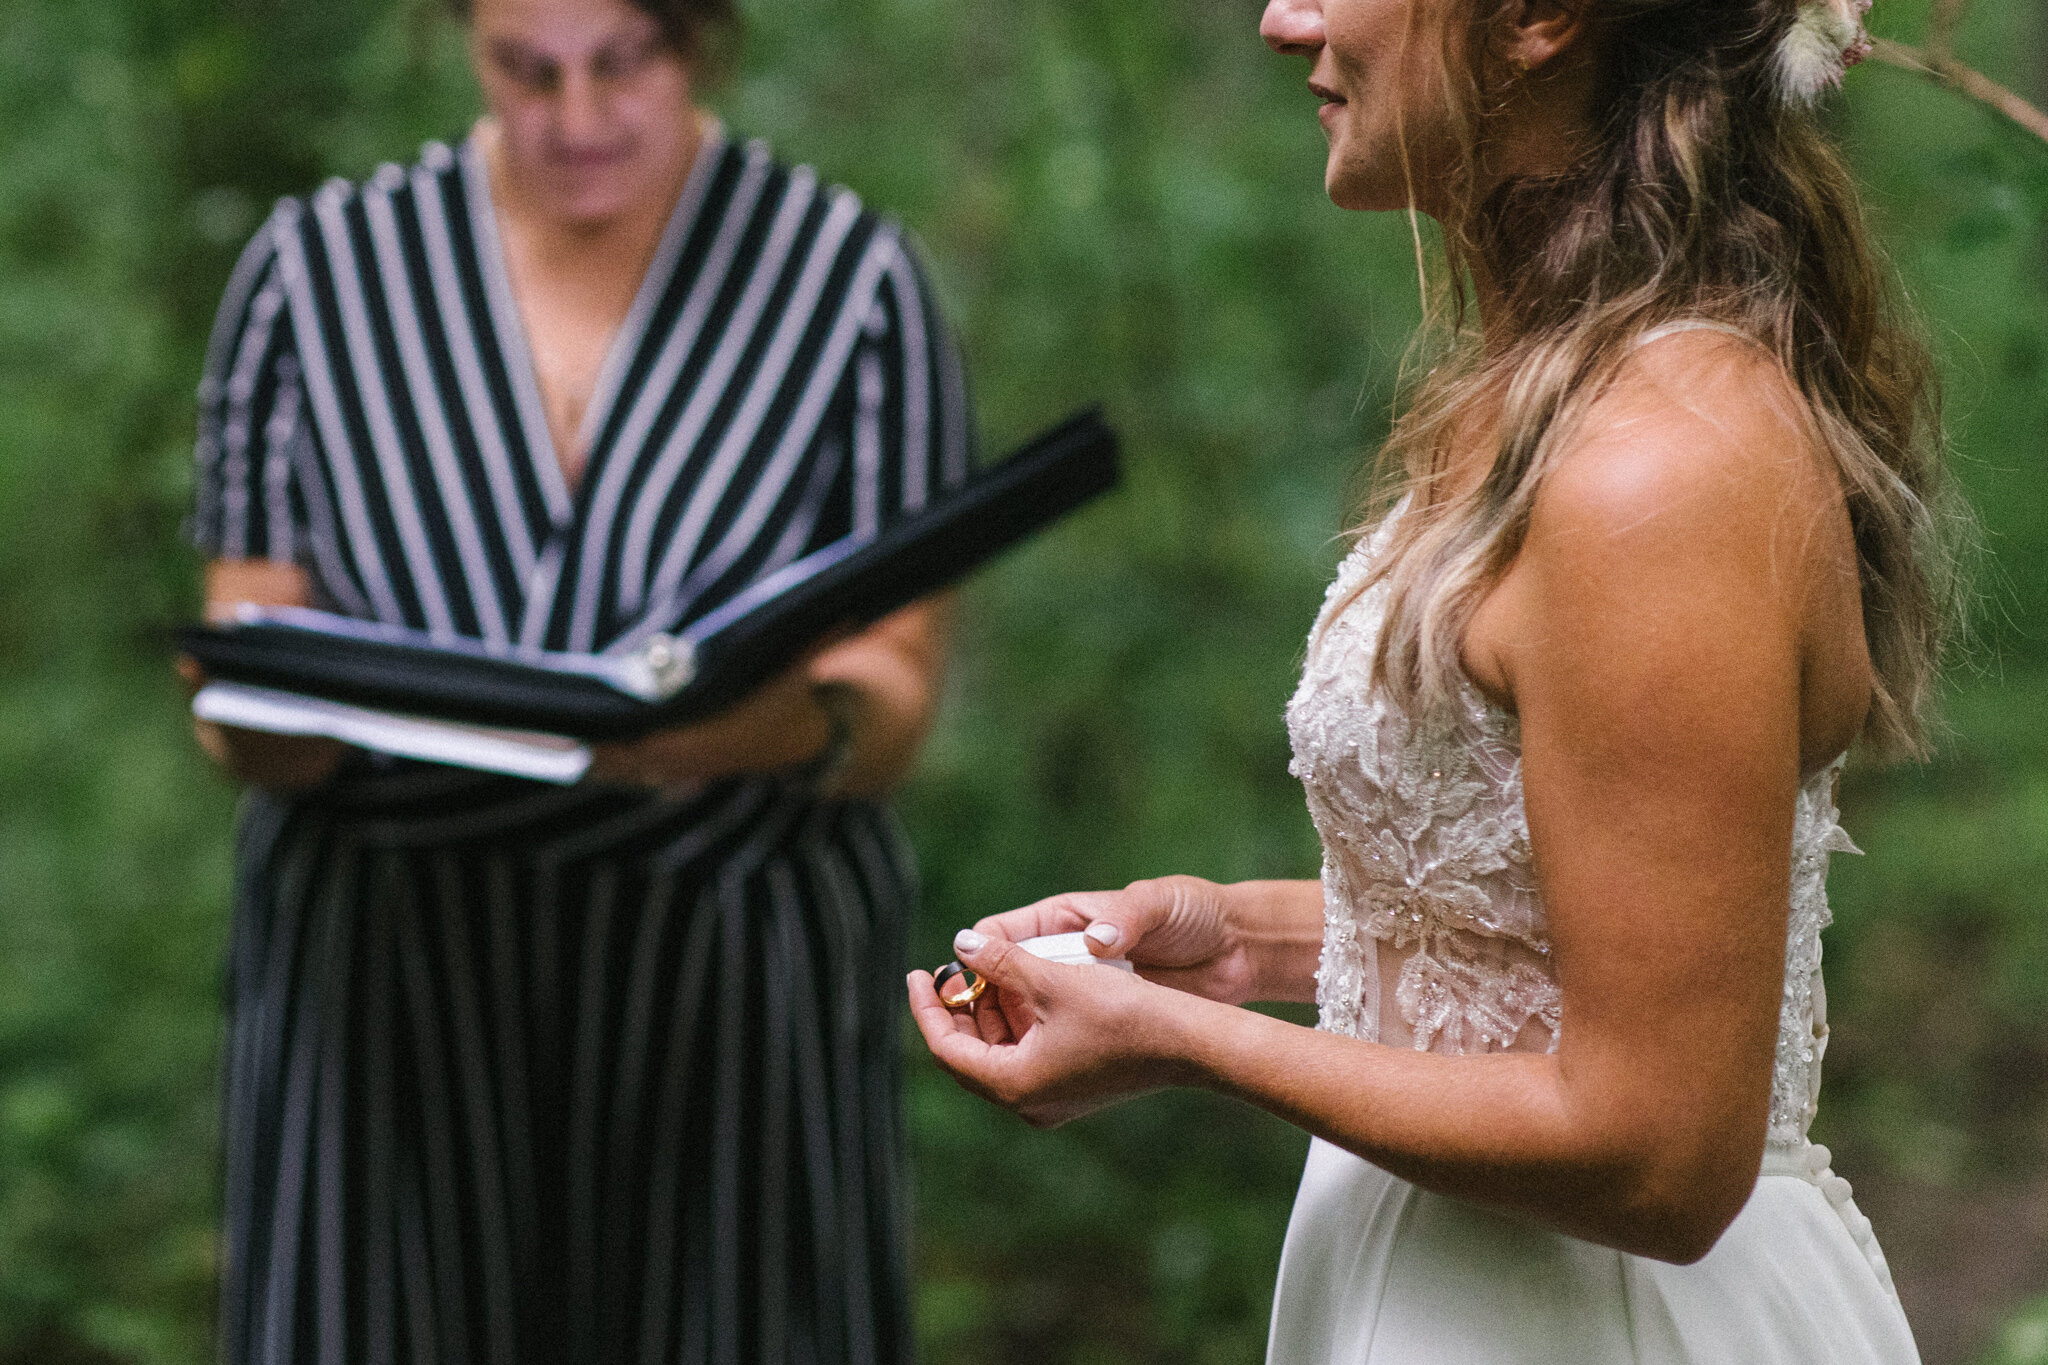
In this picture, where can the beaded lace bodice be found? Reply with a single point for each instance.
(1435, 934)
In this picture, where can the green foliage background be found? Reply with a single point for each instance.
(1120, 200)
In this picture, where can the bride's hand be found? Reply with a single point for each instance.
(1176, 931)
(1050, 1041)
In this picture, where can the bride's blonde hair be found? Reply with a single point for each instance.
(1704, 195)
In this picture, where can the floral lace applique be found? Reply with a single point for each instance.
(1426, 858)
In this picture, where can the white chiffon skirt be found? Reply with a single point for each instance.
(1378, 1272)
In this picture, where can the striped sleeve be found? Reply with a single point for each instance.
(251, 420)
(913, 423)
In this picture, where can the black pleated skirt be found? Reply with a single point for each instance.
(519, 1076)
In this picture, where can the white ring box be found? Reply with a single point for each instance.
(1071, 950)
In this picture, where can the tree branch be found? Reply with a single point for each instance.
(1937, 61)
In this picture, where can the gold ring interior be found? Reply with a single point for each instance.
(966, 995)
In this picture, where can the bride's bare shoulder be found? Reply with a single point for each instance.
(1700, 436)
(1691, 512)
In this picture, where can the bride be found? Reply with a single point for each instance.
(1658, 545)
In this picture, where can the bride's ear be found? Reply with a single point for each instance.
(1528, 34)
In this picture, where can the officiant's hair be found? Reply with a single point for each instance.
(1701, 194)
(691, 27)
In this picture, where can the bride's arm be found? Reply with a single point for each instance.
(1654, 634)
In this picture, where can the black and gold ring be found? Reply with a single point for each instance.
(966, 995)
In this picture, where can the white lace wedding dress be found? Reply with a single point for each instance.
(1436, 938)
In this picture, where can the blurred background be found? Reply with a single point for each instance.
(1121, 201)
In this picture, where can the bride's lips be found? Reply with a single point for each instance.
(1330, 98)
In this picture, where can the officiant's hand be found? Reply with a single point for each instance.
(284, 763)
(858, 709)
(780, 724)
(1052, 1042)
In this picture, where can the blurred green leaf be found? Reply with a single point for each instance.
(2024, 1339)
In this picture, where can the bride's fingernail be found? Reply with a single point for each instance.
(1105, 933)
(967, 941)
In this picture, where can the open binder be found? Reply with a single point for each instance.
(529, 712)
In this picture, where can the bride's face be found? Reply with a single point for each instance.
(1375, 66)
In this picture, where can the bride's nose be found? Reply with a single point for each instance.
(1293, 28)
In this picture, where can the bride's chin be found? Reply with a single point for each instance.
(1361, 194)
(1362, 185)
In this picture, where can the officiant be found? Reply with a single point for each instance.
(520, 1073)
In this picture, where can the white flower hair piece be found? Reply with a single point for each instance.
(1825, 40)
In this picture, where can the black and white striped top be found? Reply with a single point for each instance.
(369, 408)
(523, 1073)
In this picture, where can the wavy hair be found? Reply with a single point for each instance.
(1703, 195)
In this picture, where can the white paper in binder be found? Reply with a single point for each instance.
(521, 753)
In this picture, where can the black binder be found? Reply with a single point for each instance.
(657, 679)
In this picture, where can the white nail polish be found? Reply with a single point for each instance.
(1105, 933)
(967, 941)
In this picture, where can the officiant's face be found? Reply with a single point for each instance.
(592, 100)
